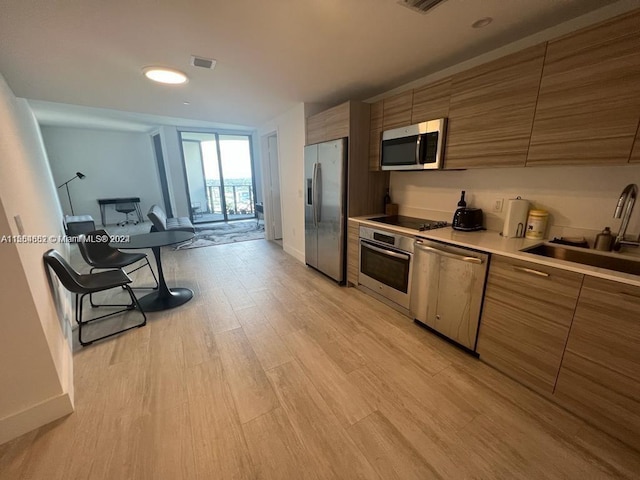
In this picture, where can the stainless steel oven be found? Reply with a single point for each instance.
(386, 265)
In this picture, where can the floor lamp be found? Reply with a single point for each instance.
(66, 184)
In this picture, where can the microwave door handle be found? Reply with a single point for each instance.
(454, 256)
(390, 253)
(418, 157)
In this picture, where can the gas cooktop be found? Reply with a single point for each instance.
(411, 222)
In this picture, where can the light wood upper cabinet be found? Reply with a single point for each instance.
(600, 375)
(635, 153)
(337, 121)
(491, 111)
(328, 125)
(526, 318)
(589, 102)
(375, 135)
(431, 101)
(397, 110)
(315, 129)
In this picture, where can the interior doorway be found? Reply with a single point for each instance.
(219, 173)
(273, 205)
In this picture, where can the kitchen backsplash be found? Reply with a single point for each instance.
(580, 200)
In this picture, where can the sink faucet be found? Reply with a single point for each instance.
(624, 208)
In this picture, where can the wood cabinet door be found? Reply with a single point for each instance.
(316, 130)
(526, 318)
(491, 111)
(353, 252)
(589, 102)
(375, 135)
(337, 122)
(600, 375)
(431, 101)
(397, 110)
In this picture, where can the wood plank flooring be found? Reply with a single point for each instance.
(274, 372)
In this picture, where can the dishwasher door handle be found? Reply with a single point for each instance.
(437, 251)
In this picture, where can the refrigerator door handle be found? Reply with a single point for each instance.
(313, 195)
(318, 193)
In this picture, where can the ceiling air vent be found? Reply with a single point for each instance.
(202, 62)
(420, 6)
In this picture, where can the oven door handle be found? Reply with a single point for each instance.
(454, 256)
(391, 253)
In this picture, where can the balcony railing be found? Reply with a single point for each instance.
(238, 199)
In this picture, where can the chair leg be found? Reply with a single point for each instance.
(134, 305)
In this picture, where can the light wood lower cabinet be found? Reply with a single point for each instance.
(600, 375)
(526, 318)
(353, 240)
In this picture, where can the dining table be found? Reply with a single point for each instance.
(163, 298)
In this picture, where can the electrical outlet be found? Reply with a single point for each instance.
(497, 204)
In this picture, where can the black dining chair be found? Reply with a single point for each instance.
(83, 285)
(94, 248)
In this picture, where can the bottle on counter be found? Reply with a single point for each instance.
(462, 203)
(387, 200)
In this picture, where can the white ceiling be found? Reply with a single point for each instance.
(271, 54)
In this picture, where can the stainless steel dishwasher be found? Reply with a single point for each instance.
(448, 286)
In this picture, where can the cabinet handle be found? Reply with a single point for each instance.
(531, 271)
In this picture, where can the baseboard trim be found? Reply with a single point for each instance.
(45, 412)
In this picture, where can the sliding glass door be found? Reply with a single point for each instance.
(219, 171)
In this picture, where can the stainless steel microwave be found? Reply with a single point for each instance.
(416, 147)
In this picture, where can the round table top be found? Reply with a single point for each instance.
(154, 239)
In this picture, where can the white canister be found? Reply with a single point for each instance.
(537, 224)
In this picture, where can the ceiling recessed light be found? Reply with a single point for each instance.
(483, 22)
(165, 75)
(186, 103)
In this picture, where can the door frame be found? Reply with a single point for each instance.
(269, 203)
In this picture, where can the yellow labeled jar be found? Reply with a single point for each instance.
(537, 224)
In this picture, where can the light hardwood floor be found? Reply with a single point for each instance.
(274, 372)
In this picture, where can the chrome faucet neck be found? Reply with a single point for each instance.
(624, 209)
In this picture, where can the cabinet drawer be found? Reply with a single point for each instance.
(526, 317)
(606, 326)
(602, 396)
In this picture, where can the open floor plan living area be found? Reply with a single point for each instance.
(394, 239)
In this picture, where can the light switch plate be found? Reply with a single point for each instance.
(19, 224)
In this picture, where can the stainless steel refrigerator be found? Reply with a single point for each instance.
(325, 166)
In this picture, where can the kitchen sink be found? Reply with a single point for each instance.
(587, 257)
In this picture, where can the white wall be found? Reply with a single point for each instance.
(116, 164)
(581, 198)
(36, 368)
(290, 128)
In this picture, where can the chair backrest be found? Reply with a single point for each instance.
(65, 272)
(158, 218)
(125, 207)
(92, 250)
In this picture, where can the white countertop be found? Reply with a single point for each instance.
(492, 242)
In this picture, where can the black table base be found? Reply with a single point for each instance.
(174, 297)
